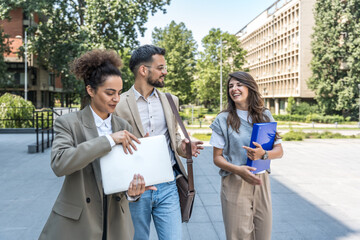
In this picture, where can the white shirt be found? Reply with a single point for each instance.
(153, 117)
(104, 128)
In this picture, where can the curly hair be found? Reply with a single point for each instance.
(256, 106)
(95, 66)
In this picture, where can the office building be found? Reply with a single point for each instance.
(278, 45)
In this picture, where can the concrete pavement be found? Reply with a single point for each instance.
(315, 191)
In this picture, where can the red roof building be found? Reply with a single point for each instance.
(43, 87)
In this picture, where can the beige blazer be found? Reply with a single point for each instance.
(78, 211)
(128, 110)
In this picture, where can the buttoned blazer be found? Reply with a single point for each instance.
(78, 210)
(128, 110)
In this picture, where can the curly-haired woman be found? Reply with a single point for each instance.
(245, 197)
(82, 210)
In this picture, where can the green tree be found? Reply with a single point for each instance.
(69, 28)
(291, 105)
(180, 57)
(336, 56)
(207, 84)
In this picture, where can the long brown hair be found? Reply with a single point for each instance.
(256, 106)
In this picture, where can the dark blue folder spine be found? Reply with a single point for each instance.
(264, 134)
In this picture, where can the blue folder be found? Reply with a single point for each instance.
(264, 134)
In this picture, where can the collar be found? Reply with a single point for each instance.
(138, 95)
(99, 121)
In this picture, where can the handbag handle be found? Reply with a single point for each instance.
(189, 160)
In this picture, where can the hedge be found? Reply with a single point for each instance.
(311, 118)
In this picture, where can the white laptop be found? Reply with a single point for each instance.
(151, 160)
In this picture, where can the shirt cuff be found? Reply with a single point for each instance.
(111, 140)
(132, 199)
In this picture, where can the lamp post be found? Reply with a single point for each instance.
(25, 62)
(220, 73)
(359, 103)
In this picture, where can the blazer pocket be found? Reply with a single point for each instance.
(67, 210)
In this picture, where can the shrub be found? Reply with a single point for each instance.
(17, 109)
(313, 117)
(288, 117)
(324, 119)
(293, 136)
(47, 116)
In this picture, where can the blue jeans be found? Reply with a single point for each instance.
(163, 205)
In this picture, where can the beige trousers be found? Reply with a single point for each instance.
(246, 208)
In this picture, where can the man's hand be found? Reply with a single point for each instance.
(196, 146)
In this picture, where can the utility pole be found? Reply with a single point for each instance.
(26, 75)
(221, 73)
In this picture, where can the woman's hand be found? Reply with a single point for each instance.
(137, 186)
(126, 139)
(255, 153)
(196, 146)
(249, 177)
(242, 171)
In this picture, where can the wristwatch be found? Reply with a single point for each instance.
(265, 156)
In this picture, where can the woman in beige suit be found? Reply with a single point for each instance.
(82, 210)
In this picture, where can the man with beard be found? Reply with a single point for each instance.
(149, 112)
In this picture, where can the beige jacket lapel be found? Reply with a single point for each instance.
(131, 102)
(91, 133)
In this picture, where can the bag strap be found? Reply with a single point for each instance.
(189, 160)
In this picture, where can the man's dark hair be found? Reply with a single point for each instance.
(144, 55)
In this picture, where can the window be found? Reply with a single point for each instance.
(51, 80)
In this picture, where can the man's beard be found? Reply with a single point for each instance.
(155, 82)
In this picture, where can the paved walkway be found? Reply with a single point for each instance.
(315, 191)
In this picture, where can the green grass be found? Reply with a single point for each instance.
(202, 136)
(193, 127)
(291, 136)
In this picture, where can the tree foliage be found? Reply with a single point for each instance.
(207, 84)
(336, 56)
(180, 57)
(69, 28)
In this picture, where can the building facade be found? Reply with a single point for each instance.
(278, 45)
(42, 85)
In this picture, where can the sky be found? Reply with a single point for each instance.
(200, 16)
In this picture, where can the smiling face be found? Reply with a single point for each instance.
(238, 92)
(157, 71)
(106, 96)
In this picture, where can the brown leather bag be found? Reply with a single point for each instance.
(185, 186)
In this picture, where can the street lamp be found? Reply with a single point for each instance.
(221, 73)
(359, 103)
(25, 62)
